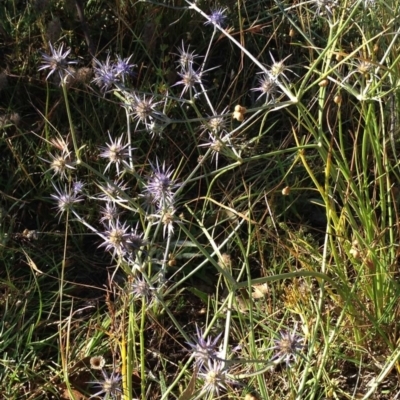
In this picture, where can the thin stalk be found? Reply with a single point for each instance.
(71, 124)
(143, 374)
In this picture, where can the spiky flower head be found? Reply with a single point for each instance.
(77, 187)
(61, 163)
(287, 347)
(116, 238)
(186, 58)
(215, 377)
(156, 128)
(113, 191)
(115, 152)
(140, 288)
(66, 200)
(204, 349)
(57, 61)
(123, 68)
(110, 386)
(217, 17)
(105, 74)
(324, 7)
(109, 213)
(142, 108)
(268, 87)
(190, 78)
(160, 185)
(278, 68)
(165, 216)
(220, 143)
(135, 241)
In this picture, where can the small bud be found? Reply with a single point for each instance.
(323, 83)
(238, 116)
(171, 260)
(339, 56)
(239, 112)
(239, 108)
(338, 99)
(286, 191)
(251, 396)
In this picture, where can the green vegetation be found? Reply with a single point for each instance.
(199, 200)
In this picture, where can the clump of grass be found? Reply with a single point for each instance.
(204, 184)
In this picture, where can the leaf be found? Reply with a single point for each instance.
(31, 263)
(188, 392)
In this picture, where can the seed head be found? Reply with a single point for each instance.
(97, 362)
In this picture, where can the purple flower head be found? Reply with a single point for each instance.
(217, 17)
(186, 59)
(190, 78)
(140, 288)
(142, 108)
(66, 200)
(113, 191)
(278, 68)
(217, 144)
(115, 152)
(160, 185)
(287, 347)
(204, 349)
(57, 61)
(77, 187)
(109, 213)
(215, 377)
(61, 163)
(105, 74)
(123, 68)
(116, 238)
(135, 241)
(110, 386)
(268, 87)
(166, 217)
